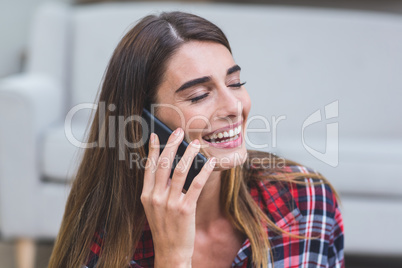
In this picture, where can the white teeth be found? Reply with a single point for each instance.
(237, 130)
(232, 135)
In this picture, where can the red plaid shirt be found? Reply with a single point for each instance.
(306, 210)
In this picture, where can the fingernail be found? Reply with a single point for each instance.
(152, 138)
(177, 131)
(195, 142)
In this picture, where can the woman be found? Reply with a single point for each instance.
(244, 209)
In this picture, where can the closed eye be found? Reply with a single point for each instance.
(237, 85)
(195, 99)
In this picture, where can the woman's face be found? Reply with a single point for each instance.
(201, 92)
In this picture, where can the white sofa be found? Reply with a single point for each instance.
(299, 63)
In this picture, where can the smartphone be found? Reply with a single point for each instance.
(156, 126)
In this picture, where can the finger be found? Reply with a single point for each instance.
(182, 168)
(199, 181)
(166, 159)
(151, 163)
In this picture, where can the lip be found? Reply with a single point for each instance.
(227, 145)
(232, 126)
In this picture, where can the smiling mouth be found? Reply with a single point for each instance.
(224, 136)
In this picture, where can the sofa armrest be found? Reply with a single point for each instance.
(28, 104)
(41, 95)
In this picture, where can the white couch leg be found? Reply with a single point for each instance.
(25, 253)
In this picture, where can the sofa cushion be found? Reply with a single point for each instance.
(60, 156)
(365, 168)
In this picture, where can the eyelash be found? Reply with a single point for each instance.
(237, 85)
(198, 98)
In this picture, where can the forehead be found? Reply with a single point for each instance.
(197, 59)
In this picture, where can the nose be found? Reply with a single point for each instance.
(229, 106)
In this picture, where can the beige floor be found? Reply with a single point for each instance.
(44, 250)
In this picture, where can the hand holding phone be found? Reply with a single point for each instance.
(170, 213)
(158, 127)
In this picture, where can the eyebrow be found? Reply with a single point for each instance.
(233, 69)
(205, 79)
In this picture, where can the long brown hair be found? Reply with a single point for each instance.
(105, 194)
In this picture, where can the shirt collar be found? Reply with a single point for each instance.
(276, 200)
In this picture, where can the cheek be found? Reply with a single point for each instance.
(197, 123)
(170, 116)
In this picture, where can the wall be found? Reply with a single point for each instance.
(15, 19)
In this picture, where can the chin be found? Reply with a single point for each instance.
(229, 160)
